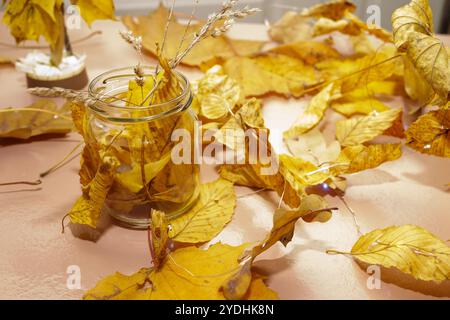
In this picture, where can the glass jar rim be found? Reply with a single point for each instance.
(174, 101)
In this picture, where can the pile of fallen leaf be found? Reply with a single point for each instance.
(356, 88)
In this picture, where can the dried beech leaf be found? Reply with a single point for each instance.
(216, 94)
(301, 173)
(312, 147)
(415, 16)
(23, 124)
(355, 131)
(159, 228)
(362, 107)
(231, 133)
(312, 115)
(431, 60)
(271, 73)
(359, 158)
(310, 52)
(410, 249)
(190, 273)
(152, 27)
(335, 9)
(430, 134)
(425, 54)
(92, 10)
(291, 27)
(213, 210)
(87, 209)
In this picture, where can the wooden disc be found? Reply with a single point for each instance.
(76, 82)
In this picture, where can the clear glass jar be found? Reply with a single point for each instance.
(140, 138)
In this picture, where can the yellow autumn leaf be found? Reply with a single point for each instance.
(133, 179)
(312, 115)
(425, 54)
(41, 117)
(334, 9)
(291, 27)
(159, 229)
(188, 273)
(414, 16)
(359, 158)
(213, 210)
(362, 107)
(355, 131)
(313, 148)
(301, 173)
(92, 10)
(310, 52)
(372, 90)
(430, 134)
(216, 94)
(410, 249)
(152, 28)
(87, 209)
(232, 134)
(431, 61)
(30, 19)
(271, 73)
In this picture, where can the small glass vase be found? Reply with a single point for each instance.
(140, 137)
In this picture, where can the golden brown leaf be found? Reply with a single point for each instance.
(362, 107)
(310, 52)
(430, 134)
(312, 147)
(87, 209)
(335, 9)
(355, 131)
(426, 55)
(188, 273)
(410, 249)
(291, 27)
(359, 158)
(23, 123)
(312, 115)
(271, 73)
(213, 210)
(159, 229)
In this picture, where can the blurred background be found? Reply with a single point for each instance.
(274, 9)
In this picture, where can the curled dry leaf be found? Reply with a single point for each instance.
(312, 115)
(410, 249)
(23, 123)
(187, 273)
(334, 10)
(152, 28)
(213, 210)
(426, 55)
(158, 228)
(430, 134)
(87, 209)
(291, 27)
(355, 131)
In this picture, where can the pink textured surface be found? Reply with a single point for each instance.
(34, 255)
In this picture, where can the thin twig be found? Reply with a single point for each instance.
(30, 183)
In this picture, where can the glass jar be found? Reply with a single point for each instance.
(140, 137)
